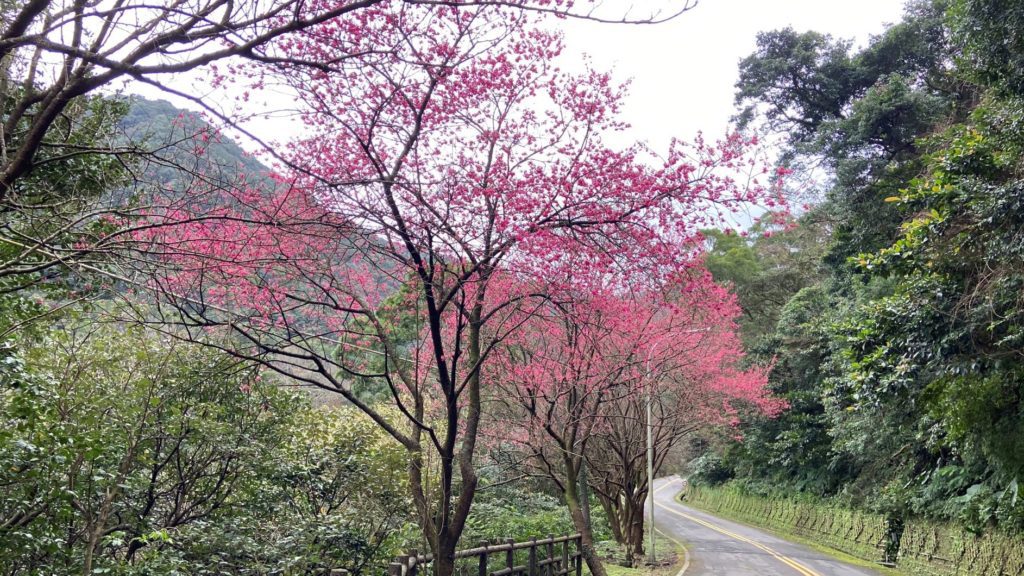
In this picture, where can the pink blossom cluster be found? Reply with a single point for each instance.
(446, 155)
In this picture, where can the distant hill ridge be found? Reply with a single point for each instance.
(161, 126)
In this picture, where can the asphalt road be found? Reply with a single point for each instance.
(720, 547)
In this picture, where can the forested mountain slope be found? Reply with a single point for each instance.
(171, 134)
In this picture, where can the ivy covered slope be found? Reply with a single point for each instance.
(898, 334)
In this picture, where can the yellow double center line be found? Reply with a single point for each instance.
(800, 568)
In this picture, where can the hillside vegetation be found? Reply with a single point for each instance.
(442, 317)
(892, 310)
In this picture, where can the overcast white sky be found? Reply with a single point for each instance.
(683, 71)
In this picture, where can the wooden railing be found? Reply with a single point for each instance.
(548, 557)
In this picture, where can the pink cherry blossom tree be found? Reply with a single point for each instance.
(61, 59)
(448, 187)
(575, 378)
(699, 382)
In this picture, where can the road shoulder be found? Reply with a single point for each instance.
(797, 539)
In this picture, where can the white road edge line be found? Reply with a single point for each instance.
(686, 553)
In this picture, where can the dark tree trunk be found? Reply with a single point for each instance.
(626, 517)
(580, 519)
(586, 539)
(444, 560)
(634, 517)
(611, 513)
(584, 485)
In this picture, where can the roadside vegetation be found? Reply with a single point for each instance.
(445, 311)
(892, 308)
(430, 320)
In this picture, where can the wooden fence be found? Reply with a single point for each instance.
(550, 556)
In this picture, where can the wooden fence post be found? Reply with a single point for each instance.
(550, 555)
(565, 558)
(532, 569)
(414, 562)
(482, 570)
(510, 555)
(579, 556)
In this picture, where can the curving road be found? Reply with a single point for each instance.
(722, 548)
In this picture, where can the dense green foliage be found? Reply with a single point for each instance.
(125, 450)
(891, 311)
(59, 205)
(901, 351)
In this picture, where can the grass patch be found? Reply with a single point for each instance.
(792, 537)
(668, 560)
